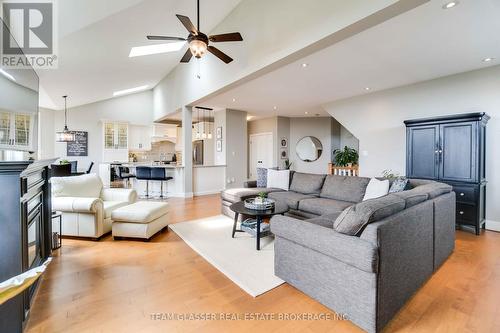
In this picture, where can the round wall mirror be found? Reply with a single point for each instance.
(309, 149)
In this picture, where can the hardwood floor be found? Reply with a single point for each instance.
(115, 286)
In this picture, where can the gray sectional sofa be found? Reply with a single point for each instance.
(363, 259)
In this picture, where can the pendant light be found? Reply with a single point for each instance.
(66, 135)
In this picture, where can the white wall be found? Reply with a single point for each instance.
(208, 180)
(46, 133)
(236, 143)
(135, 109)
(321, 128)
(305, 22)
(377, 121)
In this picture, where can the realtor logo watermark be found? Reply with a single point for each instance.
(32, 40)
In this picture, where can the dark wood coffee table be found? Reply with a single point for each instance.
(239, 208)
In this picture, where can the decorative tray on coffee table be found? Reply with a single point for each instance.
(262, 204)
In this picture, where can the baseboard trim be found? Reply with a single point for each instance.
(493, 225)
(199, 194)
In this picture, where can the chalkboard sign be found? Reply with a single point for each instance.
(79, 147)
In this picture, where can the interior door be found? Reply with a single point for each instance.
(261, 152)
(423, 152)
(458, 152)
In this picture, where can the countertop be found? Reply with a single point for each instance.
(165, 166)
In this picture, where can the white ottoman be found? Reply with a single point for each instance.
(142, 219)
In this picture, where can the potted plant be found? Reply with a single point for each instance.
(260, 197)
(288, 164)
(62, 162)
(346, 157)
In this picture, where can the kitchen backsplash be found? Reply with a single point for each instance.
(160, 151)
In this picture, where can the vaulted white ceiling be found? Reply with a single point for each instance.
(95, 38)
(425, 43)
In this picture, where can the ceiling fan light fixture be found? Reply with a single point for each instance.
(198, 48)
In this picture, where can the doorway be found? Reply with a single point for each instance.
(261, 152)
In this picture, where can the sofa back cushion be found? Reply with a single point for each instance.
(84, 186)
(307, 183)
(433, 189)
(354, 218)
(412, 197)
(342, 188)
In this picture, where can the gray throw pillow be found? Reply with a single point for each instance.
(353, 219)
(398, 185)
(261, 177)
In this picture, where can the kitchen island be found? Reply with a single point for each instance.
(171, 188)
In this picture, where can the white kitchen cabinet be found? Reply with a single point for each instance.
(139, 138)
(115, 143)
(163, 130)
(16, 131)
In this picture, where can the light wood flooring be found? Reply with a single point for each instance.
(115, 286)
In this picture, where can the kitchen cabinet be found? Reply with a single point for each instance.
(115, 143)
(451, 149)
(16, 131)
(139, 138)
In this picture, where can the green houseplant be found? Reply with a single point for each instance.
(345, 157)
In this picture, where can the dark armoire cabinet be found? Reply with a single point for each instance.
(25, 229)
(451, 149)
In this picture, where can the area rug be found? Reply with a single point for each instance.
(237, 258)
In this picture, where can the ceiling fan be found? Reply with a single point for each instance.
(199, 42)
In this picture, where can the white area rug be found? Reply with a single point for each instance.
(237, 258)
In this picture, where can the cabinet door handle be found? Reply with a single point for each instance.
(461, 212)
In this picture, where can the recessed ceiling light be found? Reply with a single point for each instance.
(4, 73)
(306, 112)
(275, 108)
(488, 59)
(367, 88)
(130, 91)
(155, 49)
(450, 4)
(304, 65)
(234, 99)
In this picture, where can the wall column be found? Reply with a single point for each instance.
(187, 150)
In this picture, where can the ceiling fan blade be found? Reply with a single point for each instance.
(231, 37)
(187, 56)
(165, 38)
(219, 54)
(186, 22)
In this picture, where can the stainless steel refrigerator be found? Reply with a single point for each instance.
(198, 152)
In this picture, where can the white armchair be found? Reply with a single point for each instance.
(86, 206)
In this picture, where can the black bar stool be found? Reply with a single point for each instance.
(125, 175)
(144, 173)
(160, 174)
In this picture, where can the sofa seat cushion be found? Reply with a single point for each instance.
(307, 183)
(291, 199)
(110, 206)
(140, 212)
(86, 186)
(342, 188)
(325, 220)
(322, 206)
(353, 219)
(238, 194)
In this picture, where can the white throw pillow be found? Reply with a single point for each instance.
(278, 179)
(376, 189)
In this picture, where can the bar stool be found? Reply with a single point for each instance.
(160, 174)
(125, 175)
(144, 173)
